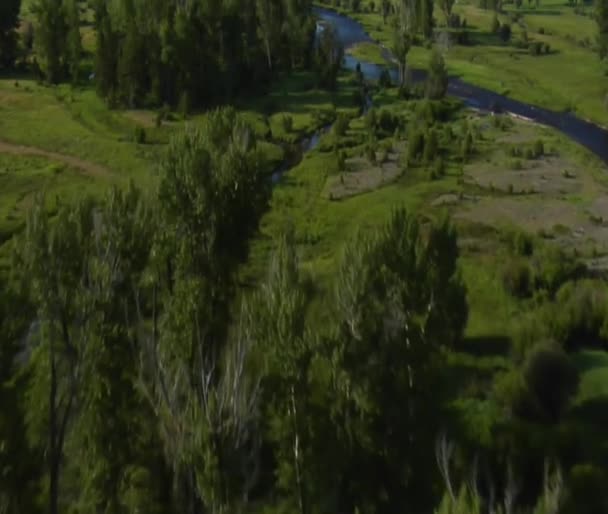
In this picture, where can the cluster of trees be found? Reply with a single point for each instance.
(196, 53)
(9, 19)
(133, 349)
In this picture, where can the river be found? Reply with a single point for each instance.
(593, 137)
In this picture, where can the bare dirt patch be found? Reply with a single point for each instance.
(361, 176)
(550, 175)
(87, 167)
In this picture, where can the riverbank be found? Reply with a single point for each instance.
(508, 69)
(590, 135)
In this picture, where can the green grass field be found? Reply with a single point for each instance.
(571, 77)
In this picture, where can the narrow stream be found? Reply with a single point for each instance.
(592, 136)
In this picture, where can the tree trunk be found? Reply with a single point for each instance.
(296, 454)
(53, 457)
(268, 55)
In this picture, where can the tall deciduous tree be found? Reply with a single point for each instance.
(50, 38)
(437, 80)
(601, 15)
(73, 43)
(9, 19)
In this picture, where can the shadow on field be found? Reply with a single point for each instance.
(485, 346)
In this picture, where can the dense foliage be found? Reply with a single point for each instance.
(9, 18)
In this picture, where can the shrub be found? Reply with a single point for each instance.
(341, 125)
(341, 161)
(535, 48)
(539, 148)
(552, 378)
(467, 146)
(385, 78)
(370, 121)
(521, 243)
(370, 153)
(431, 146)
(415, 146)
(516, 164)
(387, 122)
(495, 27)
(547, 48)
(439, 166)
(541, 30)
(516, 278)
(372, 6)
(529, 153)
(184, 104)
(140, 135)
(287, 123)
(505, 32)
(437, 81)
(554, 268)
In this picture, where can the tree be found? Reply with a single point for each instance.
(9, 19)
(52, 265)
(73, 39)
(552, 378)
(401, 47)
(384, 362)
(50, 38)
(601, 15)
(446, 7)
(278, 321)
(437, 81)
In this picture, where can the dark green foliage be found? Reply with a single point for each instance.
(554, 268)
(387, 122)
(601, 15)
(415, 146)
(535, 48)
(552, 380)
(539, 148)
(341, 125)
(385, 79)
(287, 123)
(517, 279)
(210, 52)
(505, 32)
(328, 59)
(495, 27)
(370, 152)
(9, 17)
(431, 146)
(50, 39)
(521, 243)
(341, 161)
(467, 146)
(437, 81)
(140, 135)
(371, 122)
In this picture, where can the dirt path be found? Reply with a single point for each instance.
(89, 168)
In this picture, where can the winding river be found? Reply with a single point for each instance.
(593, 137)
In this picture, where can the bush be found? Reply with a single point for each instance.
(552, 378)
(541, 30)
(439, 167)
(341, 161)
(140, 135)
(505, 32)
(387, 121)
(547, 48)
(517, 279)
(415, 146)
(431, 146)
(521, 243)
(437, 81)
(371, 122)
(370, 153)
(184, 104)
(467, 146)
(529, 153)
(539, 148)
(341, 125)
(495, 27)
(287, 123)
(385, 78)
(535, 48)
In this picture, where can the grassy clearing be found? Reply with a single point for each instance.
(368, 52)
(539, 80)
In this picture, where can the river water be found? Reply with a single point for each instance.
(593, 137)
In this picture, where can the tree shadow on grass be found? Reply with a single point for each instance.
(486, 346)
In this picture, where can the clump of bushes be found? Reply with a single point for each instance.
(431, 146)
(287, 123)
(416, 146)
(517, 278)
(385, 79)
(341, 125)
(505, 32)
(140, 135)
